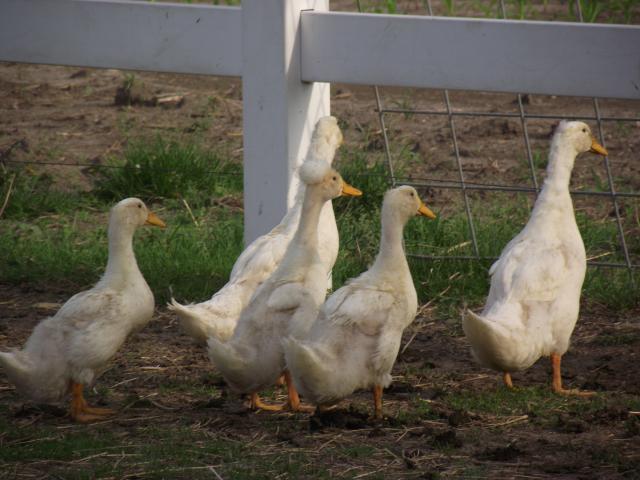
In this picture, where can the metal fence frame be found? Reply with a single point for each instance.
(535, 188)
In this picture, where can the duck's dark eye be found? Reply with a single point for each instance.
(412, 194)
(335, 178)
(584, 130)
(139, 205)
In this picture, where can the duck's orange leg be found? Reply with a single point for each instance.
(377, 401)
(557, 380)
(80, 411)
(506, 378)
(293, 398)
(256, 403)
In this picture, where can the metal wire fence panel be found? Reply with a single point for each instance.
(525, 112)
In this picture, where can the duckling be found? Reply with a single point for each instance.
(70, 349)
(354, 341)
(286, 302)
(218, 316)
(534, 298)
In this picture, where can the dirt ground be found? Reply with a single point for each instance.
(445, 416)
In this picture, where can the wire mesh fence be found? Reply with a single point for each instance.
(466, 187)
(453, 114)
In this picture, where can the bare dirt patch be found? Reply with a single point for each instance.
(445, 416)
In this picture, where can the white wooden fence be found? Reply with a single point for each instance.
(285, 50)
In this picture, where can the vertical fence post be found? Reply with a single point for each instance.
(279, 110)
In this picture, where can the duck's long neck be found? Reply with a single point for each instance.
(555, 192)
(122, 260)
(391, 256)
(306, 237)
(290, 220)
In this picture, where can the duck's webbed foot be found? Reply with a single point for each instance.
(81, 411)
(255, 403)
(557, 380)
(293, 400)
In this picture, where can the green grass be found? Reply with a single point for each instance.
(164, 450)
(502, 401)
(616, 340)
(45, 443)
(49, 236)
(602, 11)
(33, 194)
(169, 169)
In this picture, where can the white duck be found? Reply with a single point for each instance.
(71, 349)
(534, 298)
(218, 316)
(286, 302)
(354, 341)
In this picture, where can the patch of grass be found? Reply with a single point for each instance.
(163, 450)
(169, 169)
(378, 6)
(48, 443)
(57, 250)
(418, 410)
(33, 195)
(591, 9)
(192, 262)
(616, 340)
(193, 386)
(192, 258)
(449, 6)
(502, 401)
(522, 9)
(358, 451)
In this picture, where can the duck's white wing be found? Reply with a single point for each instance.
(261, 257)
(287, 296)
(89, 307)
(296, 304)
(529, 270)
(376, 314)
(367, 308)
(92, 324)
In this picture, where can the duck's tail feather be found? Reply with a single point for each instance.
(307, 368)
(14, 364)
(230, 362)
(480, 329)
(498, 343)
(192, 324)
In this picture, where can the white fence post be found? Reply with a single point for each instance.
(279, 110)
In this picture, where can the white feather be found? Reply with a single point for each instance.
(219, 315)
(355, 339)
(77, 343)
(284, 304)
(534, 299)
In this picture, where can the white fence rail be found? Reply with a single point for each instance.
(284, 49)
(159, 37)
(553, 58)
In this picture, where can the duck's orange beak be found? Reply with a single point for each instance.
(349, 191)
(426, 211)
(597, 148)
(153, 219)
